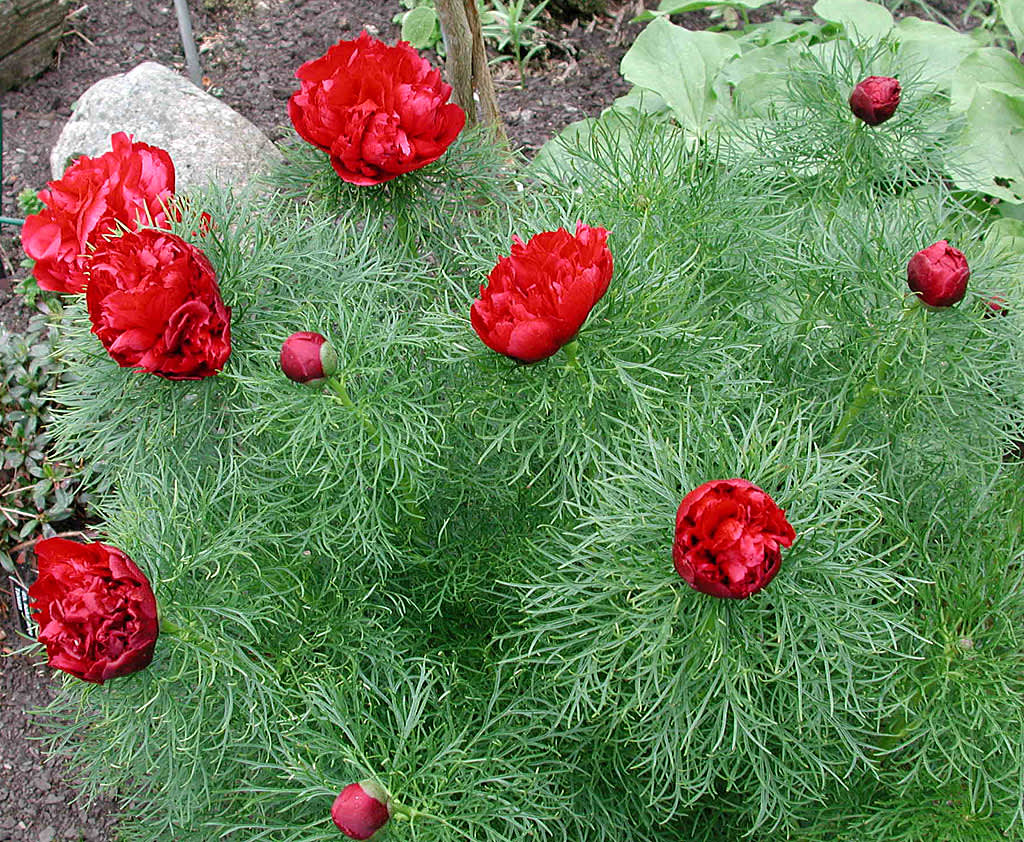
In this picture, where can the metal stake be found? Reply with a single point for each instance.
(188, 42)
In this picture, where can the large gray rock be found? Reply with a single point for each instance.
(207, 140)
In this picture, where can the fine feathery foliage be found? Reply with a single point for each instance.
(452, 573)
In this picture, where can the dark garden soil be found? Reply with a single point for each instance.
(249, 52)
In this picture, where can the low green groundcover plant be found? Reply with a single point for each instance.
(660, 491)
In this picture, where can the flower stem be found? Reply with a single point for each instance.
(167, 627)
(868, 390)
(571, 349)
(405, 234)
(337, 385)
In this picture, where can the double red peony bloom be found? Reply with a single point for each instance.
(537, 299)
(728, 534)
(155, 305)
(939, 274)
(377, 111)
(361, 809)
(96, 610)
(128, 186)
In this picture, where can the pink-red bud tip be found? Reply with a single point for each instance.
(307, 357)
(938, 274)
(361, 809)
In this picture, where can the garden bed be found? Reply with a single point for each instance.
(251, 67)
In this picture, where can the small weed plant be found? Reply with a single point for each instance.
(37, 492)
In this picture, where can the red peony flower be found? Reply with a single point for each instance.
(939, 274)
(307, 357)
(378, 111)
(728, 534)
(128, 186)
(154, 304)
(96, 610)
(538, 298)
(361, 809)
(995, 306)
(875, 99)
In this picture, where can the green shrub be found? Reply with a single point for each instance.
(453, 574)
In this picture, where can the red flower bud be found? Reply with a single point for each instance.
(995, 306)
(96, 610)
(538, 298)
(938, 274)
(307, 357)
(728, 534)
(875, 99)
(361, 809)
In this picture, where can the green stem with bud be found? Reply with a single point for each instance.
(185, 635)
(405, 230)
(337, 385)
(167, 627)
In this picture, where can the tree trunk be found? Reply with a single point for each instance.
(468, 73)
(29, 32)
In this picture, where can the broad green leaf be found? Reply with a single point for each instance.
(992, 68)
(760, 78)
(1005, 238)
(419, 27)
(682, 67)
(777, 58)
(559, 161)
(554, 160)
(864, 23)
(675, 7)
(1012, 13)
(930, 52)
(1009, 210)
(642, 101)
(779, 31)
(828, 53)
(571, 155)
(989, 155)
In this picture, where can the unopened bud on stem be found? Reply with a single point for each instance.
(307, 357)
(875, 99)
(361, 809)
